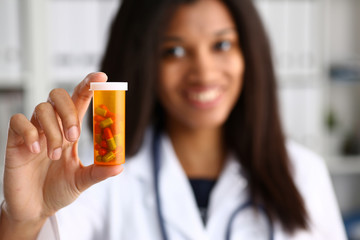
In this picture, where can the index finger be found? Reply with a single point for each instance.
(82, 96)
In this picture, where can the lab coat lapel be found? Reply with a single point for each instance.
(181, 214)
(228, 193)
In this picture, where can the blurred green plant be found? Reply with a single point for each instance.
(331, 121)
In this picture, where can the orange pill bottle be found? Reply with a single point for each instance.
(109, 122)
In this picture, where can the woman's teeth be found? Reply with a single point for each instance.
(205, 96)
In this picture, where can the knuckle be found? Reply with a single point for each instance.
(30, 133)
(70, 120)
(56, 92)
(55, 139)
(78, 87)
(42, 107)
(16, 117)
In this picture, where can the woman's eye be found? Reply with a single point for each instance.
(222, 45)
(177, 52)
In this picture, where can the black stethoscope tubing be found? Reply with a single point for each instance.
(156, 169)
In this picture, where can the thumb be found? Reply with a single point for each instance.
(82, 96)
(92, 174)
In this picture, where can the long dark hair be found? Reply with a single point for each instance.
(253, 130)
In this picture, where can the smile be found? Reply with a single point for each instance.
(205, 98)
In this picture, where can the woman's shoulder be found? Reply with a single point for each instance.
(313, 181)
(308, 169)
(310, 174)
(304, 160)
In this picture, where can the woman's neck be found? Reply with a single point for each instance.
(201, 152)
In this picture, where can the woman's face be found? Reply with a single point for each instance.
(202, 65)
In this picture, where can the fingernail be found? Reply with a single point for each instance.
(73, 133)
(35, 147)
(56, 154)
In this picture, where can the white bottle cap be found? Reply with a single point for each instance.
(108, 86)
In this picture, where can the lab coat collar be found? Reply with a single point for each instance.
(229, 193)
(179, 204)
(179, 207)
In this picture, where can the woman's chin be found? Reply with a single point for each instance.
(207, 123)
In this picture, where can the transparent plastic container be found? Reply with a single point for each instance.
(109, 122)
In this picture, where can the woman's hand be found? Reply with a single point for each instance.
(42, 171)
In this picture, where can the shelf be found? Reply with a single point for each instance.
(344, 83)
(344, 165)
(11, 81)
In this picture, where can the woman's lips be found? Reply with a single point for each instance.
(204, 98)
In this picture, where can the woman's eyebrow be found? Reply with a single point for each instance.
(179, 39)
(225, 31)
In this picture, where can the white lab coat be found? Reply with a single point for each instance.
(124, 207)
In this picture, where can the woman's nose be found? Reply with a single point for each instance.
(203, 69)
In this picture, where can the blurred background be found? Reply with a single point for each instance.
(316, 48)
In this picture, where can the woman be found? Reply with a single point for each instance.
(207, 157)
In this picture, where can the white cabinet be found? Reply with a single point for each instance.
(294, 28)
(46, 43)
(10, 49)
(295, 33)
(77, 33)
(343, 51)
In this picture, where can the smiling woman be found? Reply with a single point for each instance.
(207, 158)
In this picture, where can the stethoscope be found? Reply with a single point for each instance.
(156, 169)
